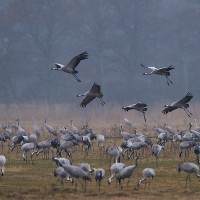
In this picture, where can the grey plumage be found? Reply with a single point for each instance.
(158, 130)
(182, 104)
(77, 173)
(49, 128)
(2, 164)
(37, 131)
(85, 166)
(125, 134)
(189, 168)
(95, 92)
(21, 131)
(147, 174)
(114, 169)
(45, 147)
(99, 174)
(114, 152)
(59, 161)
(196, 134)
(73, 127)
(28, 147)
(185, 145)
(169, 129)
(155, 150)
(142, 107)
(162, 138)
(59, 171)
(71, 66)
(127, 172)
(66, 146)
(164, 71)
(101, 140)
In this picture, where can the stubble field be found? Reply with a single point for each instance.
(36, 180)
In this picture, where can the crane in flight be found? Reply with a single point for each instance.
(71, 65)
(164, 71)
(182, 104)
(94, 92)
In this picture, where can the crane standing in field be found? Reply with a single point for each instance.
(114, 169)
(142, 107)
(94, 92)
(28, 147)
(77, 173)
(70, 67)
(127, 172)
(114, 152)
(164, 71)
(147, 173)
(50, 129)
(182, 103)
(189, 168)
(99, 173)
(60, 172)
(155, 151)
(2, 164)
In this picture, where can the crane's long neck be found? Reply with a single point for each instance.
(141, 180)
(110, 179)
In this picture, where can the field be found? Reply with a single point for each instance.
(36, 180)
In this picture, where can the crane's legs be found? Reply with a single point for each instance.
(144, 116)
(187, 112)
(102, 101)
(76, 78)
(188, 177)
(99, 185)
(168, 80)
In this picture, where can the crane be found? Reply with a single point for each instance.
(164, 71)
(182, 104)
(71, 65)
(142, 107)
(95, 92)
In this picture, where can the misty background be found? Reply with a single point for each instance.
(118, 36)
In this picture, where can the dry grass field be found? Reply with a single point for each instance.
(36, 181)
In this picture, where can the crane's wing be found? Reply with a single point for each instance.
(95, 88)
(140, 104)
(168, 109)
(76, 60)
(87, 100)
(166, 69)
(185, 99)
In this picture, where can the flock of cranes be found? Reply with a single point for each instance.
(95, 91)
(133, 147)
